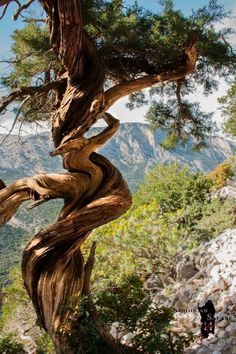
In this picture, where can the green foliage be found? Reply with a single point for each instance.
(131, 306)
(173, 187)
(217, 216)
(84, 336)
(179, 121)
(153, 335)
(10, 256)
(14, 239)
(166, 208)
(33, 64)
(228, 108)
(44, 345)
(134, 42)
(151, 41)
(128, 304)
(14, 296)
(31, 54)
(9, 345)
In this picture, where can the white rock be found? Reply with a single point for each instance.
(222, 324)
(226, 192)
(226, 300)
(221, 334)
(233, 299)
(231, 329)
(222, 284)
(127, 339)
(214, 273)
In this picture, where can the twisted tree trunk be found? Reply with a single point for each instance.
(93, 189)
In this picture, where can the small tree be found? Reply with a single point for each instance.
(99, 52)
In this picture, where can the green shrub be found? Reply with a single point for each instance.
(9, 345)
(165, 211)
(44, 345)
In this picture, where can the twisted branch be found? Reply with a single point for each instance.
(21, 92)
(19, 10)
(127, 87)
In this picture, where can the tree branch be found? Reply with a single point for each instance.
(91, 306)
(6, 3)
(15, 61)
(126, 88)
(22, 8)
(2, 184)
(30, 90)
(15, 120)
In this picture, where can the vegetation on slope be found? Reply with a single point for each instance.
(172, 210)
(14, 238)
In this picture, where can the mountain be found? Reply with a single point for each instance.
(134, 150)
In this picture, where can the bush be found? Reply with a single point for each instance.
(44, 345)
(130, 306)
(9, 345)
(219, 176)
(165, 210)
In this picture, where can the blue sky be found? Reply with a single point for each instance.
(7, 26)
(185, 5)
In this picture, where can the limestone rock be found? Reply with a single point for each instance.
(185, 270)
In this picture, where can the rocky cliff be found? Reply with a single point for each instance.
(207, 273)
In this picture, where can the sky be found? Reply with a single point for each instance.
(7, 26)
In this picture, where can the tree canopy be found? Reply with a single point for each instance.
(135, 46)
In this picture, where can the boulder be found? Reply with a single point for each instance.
(185, 270)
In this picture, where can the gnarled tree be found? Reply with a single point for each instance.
(93, 53)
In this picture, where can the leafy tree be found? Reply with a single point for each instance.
(228, 107)
(105, 50)
(173, 186)
(164, 217)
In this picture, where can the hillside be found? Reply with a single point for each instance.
(135, 149)
(161, 258)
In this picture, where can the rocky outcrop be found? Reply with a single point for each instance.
(226, 192)
(208, 272)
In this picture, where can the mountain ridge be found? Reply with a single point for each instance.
(135, 149)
